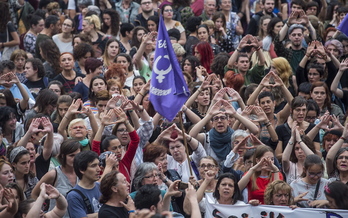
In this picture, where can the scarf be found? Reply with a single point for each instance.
(84, 142)
(221, 142)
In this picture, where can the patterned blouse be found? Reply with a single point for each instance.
(29, 43)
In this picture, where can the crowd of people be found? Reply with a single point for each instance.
(265, 123)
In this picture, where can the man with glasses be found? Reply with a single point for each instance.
(147, 11)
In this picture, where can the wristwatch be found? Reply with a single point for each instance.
(291, 143)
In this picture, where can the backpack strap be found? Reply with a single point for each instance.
(85, 200)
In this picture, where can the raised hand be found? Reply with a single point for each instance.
(51, 192)
(344, 65)
(303, 18)
(261, 115)
(74, 107)
(47, 125)
(233, 94)
(219, 95)
(255, 141)
(121, 115)
(201, 71)
(229, 109)
(293, 18)
(247, 111)
(34, 126)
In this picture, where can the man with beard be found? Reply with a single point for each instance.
(147, 11)
(294, 29)
(253, 27)
(52, 27)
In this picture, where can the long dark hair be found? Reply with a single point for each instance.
(5, 17)
(51, 54)
(237, 195)
(115, 22)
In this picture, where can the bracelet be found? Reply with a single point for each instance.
(265, 124)
(238, 50)
(258, 48)
(58, 197)
(165, 180)
(184, 110)
(131, 211)
(287, 23)
(268, 124)
(126, 122)
(2, 45)
(275, 171)
(190, 139)
(199, 90)
(299, 142)
(308, 56)
(344, 139)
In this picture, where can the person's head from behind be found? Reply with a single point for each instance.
(234, 80)
(193, 23)
(304, 90)
(313, 169)
(227, 188)
(86, 166)
(149, 197)
(25, 206)
(146, 173)
(336, 193)
(127, 30)
(278, 193)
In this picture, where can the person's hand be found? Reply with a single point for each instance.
(130, 204)
(47, 125)
(266, 80)
(303, 18)
(11, 199)
(201, 71)
(254, 42)
(121, 115)
(310, 49)
(127, 106)
(136, 106)
(111, 160)
(324, 121)
(247, 111)
(145, 213)
(173, 189)
(207, 82)
(219, 95)
(254, 202)
(261, 115)
(336, 124)
(255, 141)
(108, 118)
(52, 192)
(229, 109)
(146, 87)
(74, 107)
(344, 65)
(233, 94)
(240, 144)
(34, 126)
(209, 176)
(166, 134)
(298, 135)
(293, 18)
(191, 192)
(320, 48)
(216, 84)
(43, 191)
(13, 78)
(278, 81)
(2, 206)
(244, 42)
(258, 166)
(319, 203)
(300, 197)
(113, 101)
(78, 79)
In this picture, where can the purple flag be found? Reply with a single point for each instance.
(168, 91)
(343, 27)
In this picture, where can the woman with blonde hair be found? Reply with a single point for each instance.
(283, 69)
(91, 26)
(278, 193)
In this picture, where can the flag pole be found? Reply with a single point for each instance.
(185, 142)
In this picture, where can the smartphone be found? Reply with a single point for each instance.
(182, 186)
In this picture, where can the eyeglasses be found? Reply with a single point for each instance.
(122, 130)
(168, 10)
(217, 118)
(146, 3)
(312, 175)
(282, 195)
(152, 176)
(209, 166)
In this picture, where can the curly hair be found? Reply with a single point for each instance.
(106, 184)
(51, 53)
(115, 22)
(275, 187)
(81, 50)
(37, 65)
(234, 80)
(135, 42)
(194, 63)
(116, 70)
